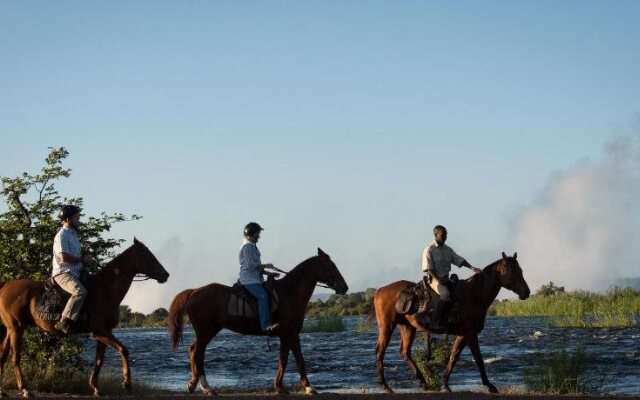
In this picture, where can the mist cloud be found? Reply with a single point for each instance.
(582, 229)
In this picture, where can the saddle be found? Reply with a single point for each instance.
(243, 304)
(420, 298)
(54, 299)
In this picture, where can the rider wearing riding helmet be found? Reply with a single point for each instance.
(251, 278)
(68, 263)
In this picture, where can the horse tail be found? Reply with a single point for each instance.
(176, 310)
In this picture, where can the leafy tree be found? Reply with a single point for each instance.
(27, 228)
(550, 289)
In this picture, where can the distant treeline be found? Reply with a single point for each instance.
(131, 319)
(615, 307)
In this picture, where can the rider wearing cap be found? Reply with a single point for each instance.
(437, 258)
(68, 263)
(251, 274)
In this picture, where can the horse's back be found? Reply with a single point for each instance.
(385, 299)
(17, 295)
(209, 301)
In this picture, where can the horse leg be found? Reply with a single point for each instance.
(93, 379)
(472, 342)
(4, 353)
(456, 349)
(15, 340)
(407, 336)
(384, 336)
(196, 359)
(297, 354)
(111, 341)
(285, 346)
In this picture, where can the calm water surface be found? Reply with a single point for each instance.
(345, 361)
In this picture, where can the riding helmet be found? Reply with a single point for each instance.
(252, 228)
(68, 211)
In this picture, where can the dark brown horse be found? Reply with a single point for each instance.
(19, 299)
(474, 295)
(207, 308)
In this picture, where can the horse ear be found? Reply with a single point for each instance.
(515, 255)
(135, 240)
(320, 252)
(504, 256)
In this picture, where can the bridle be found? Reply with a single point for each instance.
(287, 273)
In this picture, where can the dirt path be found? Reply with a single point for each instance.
(347, 396)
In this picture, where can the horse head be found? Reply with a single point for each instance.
(145, 263)
(510, 276)
(328, 273)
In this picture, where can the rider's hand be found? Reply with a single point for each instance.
(476, 269)
(87, 258)
(267, 266)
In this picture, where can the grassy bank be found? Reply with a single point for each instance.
(73, 380)
(615, 308)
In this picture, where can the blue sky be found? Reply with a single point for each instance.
(353, 126)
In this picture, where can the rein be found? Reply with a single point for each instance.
(140, 278)
(287, 273)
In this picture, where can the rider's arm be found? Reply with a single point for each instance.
(427, 260)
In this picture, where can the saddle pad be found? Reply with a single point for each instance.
(243, 304)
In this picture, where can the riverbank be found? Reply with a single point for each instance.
(354, 396)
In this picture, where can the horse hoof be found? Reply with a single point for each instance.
(492, 389)
(310, 391)
(209, 392)
(446, 389)
(191, 387)
(282, 391)
(96, 393)
(126, 386)
(387, 389)
(26, 393)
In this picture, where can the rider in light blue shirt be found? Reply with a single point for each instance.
(251, 274)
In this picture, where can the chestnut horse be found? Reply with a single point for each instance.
(474, 296)
(107, 288)
(207, 308)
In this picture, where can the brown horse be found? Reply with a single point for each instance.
(207, 308)
(474, 295)
(19, 300)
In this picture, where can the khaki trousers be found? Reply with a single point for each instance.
(440, 288)
(78, 293)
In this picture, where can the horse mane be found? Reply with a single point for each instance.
(299, 269)
(117, 260)
(486, 271)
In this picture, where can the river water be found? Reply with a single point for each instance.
(345, 361)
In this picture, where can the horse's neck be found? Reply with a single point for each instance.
(300, 283)
(489, 286)
(116, 284)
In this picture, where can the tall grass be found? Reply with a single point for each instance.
(325, 324)
(562, 372)
(73, 380)
(616, 307)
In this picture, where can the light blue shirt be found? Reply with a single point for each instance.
(250, 271)
(66, 241)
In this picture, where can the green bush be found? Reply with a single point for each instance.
(326, 324)
(433, 367)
